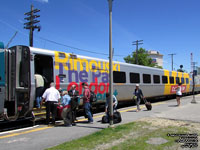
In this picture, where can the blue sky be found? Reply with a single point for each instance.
(168, 26)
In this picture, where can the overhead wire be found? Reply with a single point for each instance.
(79, 49)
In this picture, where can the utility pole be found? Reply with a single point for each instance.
(30, 24)
(172, 61)
(110, 63)
(194, 73)
(137, 42)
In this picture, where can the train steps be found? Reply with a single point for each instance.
(39, 113)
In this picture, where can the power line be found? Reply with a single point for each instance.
(79, 49)
(57, 43)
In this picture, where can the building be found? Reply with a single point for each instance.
(156, 56)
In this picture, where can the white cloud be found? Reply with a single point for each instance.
(43, 1)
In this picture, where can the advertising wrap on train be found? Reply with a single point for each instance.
(94, 72)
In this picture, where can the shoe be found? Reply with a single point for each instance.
(68, 125)
(73, 124)
(90, 122)
(51, 125)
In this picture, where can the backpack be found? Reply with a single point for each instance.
(93, 97)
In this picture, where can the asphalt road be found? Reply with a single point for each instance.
(41, 137)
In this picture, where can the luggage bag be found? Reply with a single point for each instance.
(116, 118)
(147, 104)
(59, 111)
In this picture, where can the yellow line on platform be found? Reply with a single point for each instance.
(47, 127)
(99, 116)
(25, 132)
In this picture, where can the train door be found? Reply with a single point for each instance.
(17, 82)
(2, 80)
(44, 66)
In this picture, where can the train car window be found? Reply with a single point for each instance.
(171, 80)
(156, 79)
(119, 77)
(177, 80)
(146, 78)
(134, 78)
(164, 80)
(187, 81)
(182, 80)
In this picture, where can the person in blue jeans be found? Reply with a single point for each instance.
(86, 102)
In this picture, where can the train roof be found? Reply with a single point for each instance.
(51, 52)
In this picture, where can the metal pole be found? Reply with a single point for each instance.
(172, 61)
(193, 87)
(137, 52)
(137, 42)
(110, 63)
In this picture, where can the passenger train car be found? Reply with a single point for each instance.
(19, 64)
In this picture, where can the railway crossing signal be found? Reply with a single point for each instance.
(31, 23)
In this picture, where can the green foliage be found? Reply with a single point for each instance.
(181, 69)
(143, 59)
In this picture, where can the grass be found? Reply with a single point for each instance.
(126, 137)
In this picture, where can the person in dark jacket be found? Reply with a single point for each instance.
(139, 95)
(74, 94)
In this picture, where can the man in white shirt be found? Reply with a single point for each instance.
(51, 97)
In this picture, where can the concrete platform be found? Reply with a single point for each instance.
(41, 137)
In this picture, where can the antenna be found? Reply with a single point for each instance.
(11, 39)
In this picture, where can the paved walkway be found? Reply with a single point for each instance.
(41, 137)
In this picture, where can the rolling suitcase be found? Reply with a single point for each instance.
(147, 104)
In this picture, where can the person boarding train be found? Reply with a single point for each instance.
(51, 97)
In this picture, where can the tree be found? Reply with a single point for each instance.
(143, 59)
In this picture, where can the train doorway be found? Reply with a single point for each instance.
(44, 67)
